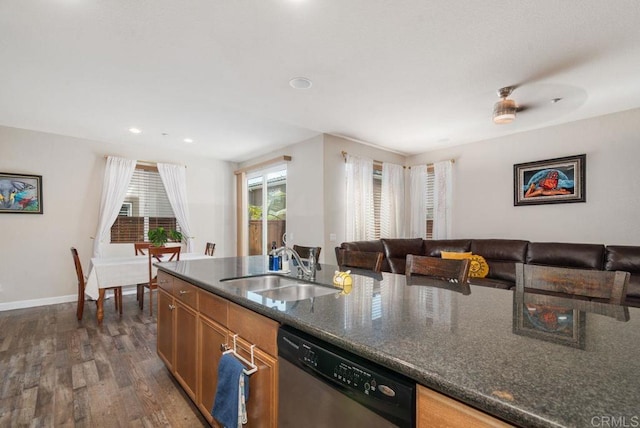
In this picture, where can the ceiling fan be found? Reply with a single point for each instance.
(504, 111)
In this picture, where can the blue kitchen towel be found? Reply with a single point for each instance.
(225, 406)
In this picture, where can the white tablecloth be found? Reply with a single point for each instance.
(114, 271)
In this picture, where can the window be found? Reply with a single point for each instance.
(126, 210)
(266, 193)
(145, 207)
(430, 199)
(377, 198)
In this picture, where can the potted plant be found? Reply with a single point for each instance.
(160, 236)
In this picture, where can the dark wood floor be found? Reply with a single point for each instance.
(57, 371)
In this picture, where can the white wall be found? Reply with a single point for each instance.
(483, 188)
(34, 249)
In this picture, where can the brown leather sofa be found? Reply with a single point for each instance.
(502, 254)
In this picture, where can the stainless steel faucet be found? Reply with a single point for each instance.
(308, 271)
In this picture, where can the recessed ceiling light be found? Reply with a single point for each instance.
(300, 83)
(188, 140)
(135, 130)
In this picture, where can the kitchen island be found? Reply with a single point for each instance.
(482, 349)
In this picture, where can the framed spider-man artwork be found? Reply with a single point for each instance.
(551, 181)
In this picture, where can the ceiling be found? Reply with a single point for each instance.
(404, 75)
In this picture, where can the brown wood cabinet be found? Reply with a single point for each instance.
(263, 392)
(437, 410)
(185, 347)
(194, 324)
(165, 327)
(177, 329)
(211, 336)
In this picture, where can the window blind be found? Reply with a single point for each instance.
(145, 207)
(377, 199)
(431, 179)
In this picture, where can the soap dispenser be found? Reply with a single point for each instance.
(273, 259)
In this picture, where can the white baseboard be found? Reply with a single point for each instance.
(21, 304)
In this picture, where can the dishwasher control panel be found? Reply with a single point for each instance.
(343, 372)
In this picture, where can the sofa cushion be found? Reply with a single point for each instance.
(633, 290)
(501, 256)
(625, 258)
(433, 247)
(583, 256)
(396, 250)
(622, 257)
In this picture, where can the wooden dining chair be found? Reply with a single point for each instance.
(117, 291)
(603, 286)
(141, 248)
(359, 259)
(304, 252)
(209, 249)
(162, 254)
(436, 267)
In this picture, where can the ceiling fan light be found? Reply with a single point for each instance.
(504, 111)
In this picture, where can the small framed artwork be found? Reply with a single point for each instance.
(551, 181)
(551, 323)
(20, 193)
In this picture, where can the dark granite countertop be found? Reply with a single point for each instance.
(563, 368)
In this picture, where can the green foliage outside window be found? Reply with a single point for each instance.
(276, 208)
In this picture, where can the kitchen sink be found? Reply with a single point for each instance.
(282, 288)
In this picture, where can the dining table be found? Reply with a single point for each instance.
(108, 272)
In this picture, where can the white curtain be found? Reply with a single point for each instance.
(359, 199)
(418, 202)
(392, 201)
(174, 178)
(443, 184)
(117, 176)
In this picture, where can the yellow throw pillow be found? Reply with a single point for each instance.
(478, 267)
(454, 255)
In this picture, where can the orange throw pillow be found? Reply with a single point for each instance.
(478, 267)
(454, 255)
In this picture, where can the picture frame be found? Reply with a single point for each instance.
(20, 193)
(552, 323)
(550, 181)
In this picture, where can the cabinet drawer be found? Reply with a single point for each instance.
(436, 410)
(185, 292)
(165, 281)
(213, 307)
(254, 328)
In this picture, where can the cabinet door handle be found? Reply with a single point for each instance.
(181, 292)
(163, 281)
(224, 347)
(172, 307)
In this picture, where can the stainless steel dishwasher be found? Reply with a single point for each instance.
(323, 386)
